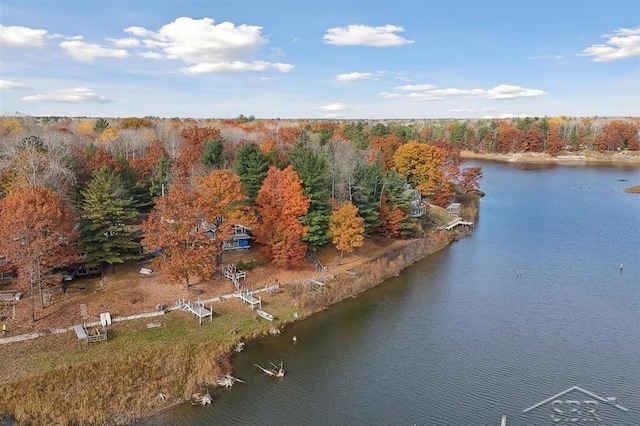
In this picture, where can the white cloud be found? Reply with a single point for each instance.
(283, 67)
(412, 87)
(462, 110)
(388, 95)
(507, 115)
(506, 91)
(352, 76)
(138, 31)
(124, 43)
(78, 94)
(234, 67)
(87, 52)
(337, 106)
(363, 35)
(426, 96)
(207, 47)
(559, 58)
(623, 43)
(6, 84)
(151, 55)
(429, 92)
(16, 36)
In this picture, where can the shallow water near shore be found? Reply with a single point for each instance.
(461, 338)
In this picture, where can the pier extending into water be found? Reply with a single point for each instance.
(196, 308)
(455, 223)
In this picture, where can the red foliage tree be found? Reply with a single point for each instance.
(509, 138)
(280, 203)
(36, 236)
(618, 134)
(187, 165)
(391, 218)
(144, 166)
(386, 146)
(175, 230)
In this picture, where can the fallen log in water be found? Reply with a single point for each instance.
(197, 399)
(227, 381)
(276, 372)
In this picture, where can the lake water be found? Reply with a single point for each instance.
(459, 338)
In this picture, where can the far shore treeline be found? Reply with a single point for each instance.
(104, 191)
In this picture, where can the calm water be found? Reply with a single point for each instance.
(458, 339)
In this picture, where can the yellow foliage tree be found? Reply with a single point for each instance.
(85, 127)
(10, 126)
(346, 229)
(422, 164)
(108, 135)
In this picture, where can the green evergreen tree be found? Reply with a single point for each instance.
(159, 182)
(366, 196)
(573, 138)
(212, 155)
(252, 166)
(107, 210)
(100, 125)
(312, 169)
(395, 189)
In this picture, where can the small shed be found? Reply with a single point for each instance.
(454, 209)
(239, 239)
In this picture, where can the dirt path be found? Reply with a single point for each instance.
(128, 292)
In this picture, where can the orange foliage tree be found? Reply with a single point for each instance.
(280, 203)
(191, 150)
(36, 236)
(509, 137)
(135, 123)
(422, 164)
(387, 146)
(186, 226)
(391, 218)
(90, 159)
(174, 229)
(144, 166)
(618, 134)
(346, 229)
(225, 202)
(554, 142)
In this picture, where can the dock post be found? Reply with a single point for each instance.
(504, 420)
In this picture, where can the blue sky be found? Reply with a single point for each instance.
(349, 59)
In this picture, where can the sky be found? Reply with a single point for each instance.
(335, 59)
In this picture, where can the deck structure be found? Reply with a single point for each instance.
(235, 275)
(455, 223)
(316, 286)
(196, 308)
(247, 297)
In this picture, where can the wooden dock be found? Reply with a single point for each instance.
(248, 297)
(196, 308)
(454, 223)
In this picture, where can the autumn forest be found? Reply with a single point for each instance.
(102, 192)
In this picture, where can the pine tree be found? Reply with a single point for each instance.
(107, 210)
(367, 196)
(312, 169)
(252, 166)
(212, 155)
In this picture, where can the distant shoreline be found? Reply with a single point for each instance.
(622, 157)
